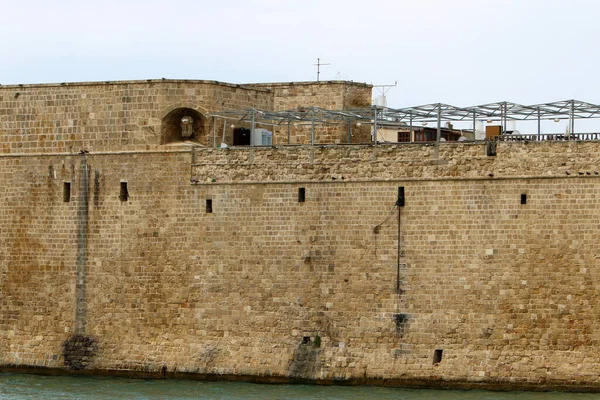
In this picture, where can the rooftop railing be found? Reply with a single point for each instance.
(548, 137)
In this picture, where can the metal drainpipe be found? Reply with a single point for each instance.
(82, 248)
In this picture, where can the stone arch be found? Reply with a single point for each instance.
(173, 125)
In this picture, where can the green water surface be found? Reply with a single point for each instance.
(20, 386)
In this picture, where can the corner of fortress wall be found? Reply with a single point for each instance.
(300, 263)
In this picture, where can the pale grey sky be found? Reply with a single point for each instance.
(462, 52)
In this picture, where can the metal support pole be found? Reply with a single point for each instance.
(214, 132)
(539, 124)
(312, 131)
(572, 127)
(318, 68)
(410, 127)
(289, 133)
(375, 125)
(224, 128)
(474, 126)
(439, 123)
(504, 118)
(349, 131)
(252, 126)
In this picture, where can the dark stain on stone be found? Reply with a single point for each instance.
(401, 320)
(307, 361)
(79, 351)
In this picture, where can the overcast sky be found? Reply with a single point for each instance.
(462, 52)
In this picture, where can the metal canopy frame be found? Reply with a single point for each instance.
(492, 112)
(308, 114)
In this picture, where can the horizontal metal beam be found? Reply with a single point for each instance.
(424, 113)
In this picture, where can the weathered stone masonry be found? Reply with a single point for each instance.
(483, 286)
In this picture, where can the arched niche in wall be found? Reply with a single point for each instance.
(182, 124)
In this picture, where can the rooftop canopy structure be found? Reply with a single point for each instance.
(500, 113)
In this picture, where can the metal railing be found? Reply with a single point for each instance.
(549, 137)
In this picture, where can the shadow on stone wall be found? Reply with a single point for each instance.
(79, 351)
(306, 362)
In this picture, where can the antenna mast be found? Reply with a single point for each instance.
(383, 89)
(318, 65)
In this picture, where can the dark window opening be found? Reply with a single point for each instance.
(67, 192)
(523, 198)
(400, 202)
(301, 195)
(241, 137)
(209, 208)
(306, 340)
(490, 149)
(124, 194)
(437, 356)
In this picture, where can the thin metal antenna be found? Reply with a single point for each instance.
(318, 64)
(383, 89)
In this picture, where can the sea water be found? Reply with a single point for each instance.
(30, 387)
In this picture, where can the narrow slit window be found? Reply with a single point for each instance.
(209, 208)
(523, 198)
(124, 194)
(66, 192)
(400, 202)
(96, 188)
(301, 195)
(437, 356)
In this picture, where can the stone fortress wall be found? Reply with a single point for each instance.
(297, 263)
(133, 115)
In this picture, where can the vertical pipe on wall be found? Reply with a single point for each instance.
(82, 247)
(289, 134)
(399, 248)
(312, 131)
(224, 128)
